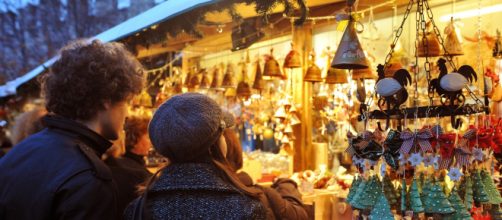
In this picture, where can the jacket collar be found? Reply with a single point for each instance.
(136, 158)
(95, 141)
(191, 176)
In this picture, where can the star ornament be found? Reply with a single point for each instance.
(430, 160)
(415, 159)
(478, 154)
(455, 174)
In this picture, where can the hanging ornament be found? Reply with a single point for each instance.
(243, 88)
(453, 41)
(415, 159)
(349, 54)
(430, 160)
(432, 47)
(215, 84)
(228, 78)
(478, 154)
(204, 82)
(455, 174)
(293, 59)
(313, 73)
(259, 83)
(272, 68)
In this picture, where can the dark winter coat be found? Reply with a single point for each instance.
(57, 174)
(283, 199)
(195, 191)
(128, 172)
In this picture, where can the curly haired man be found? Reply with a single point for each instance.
(58, 173)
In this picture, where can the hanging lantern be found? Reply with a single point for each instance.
(272, 68)
(336, 76)
(497, 48)
(349, 54)
(228, 78)
(452, 42)
(433, 47)
(293, 59)
(313, 72)
(259, 83)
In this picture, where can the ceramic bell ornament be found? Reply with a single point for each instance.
(453, 43)
(350, 54)
(272, 68)
(204, 82)
(259, 83)
(188, 79)
(280, 113)
(243, 88)
(294, 120)
(215, 83)
(313, 73)
(334, 75)
(228, 78)
(293, 59)
(433, 47)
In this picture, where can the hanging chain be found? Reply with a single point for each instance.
(439, 37)
(425, 44)
(399, 31)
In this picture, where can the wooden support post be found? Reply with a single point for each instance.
(302, 94)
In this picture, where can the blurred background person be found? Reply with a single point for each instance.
(129, 169)
(282, 200)
(26, 124)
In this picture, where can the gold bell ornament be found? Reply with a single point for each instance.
(272, 68)
(313, 73)
(228, 78)
(259, 83)
(204, 82)
(145, 100)
(293, 108)
(293, 59)
(350, 54)
(215, 83)
(336, 76)
(188, 80)
(243, 88)
(433, 47)
(285, 139)
(452, 42)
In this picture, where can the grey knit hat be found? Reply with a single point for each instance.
(187, 125)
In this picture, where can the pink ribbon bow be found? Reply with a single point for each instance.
(421, 137)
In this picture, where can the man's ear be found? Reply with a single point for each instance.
(107, 105)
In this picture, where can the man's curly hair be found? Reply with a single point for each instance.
(87, 75)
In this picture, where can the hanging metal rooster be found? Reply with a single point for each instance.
(449, 85)
(392, 90)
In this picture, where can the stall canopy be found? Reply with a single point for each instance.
(146, 19)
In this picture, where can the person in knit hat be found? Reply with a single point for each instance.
(197, 184)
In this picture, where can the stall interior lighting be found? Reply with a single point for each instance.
(472, 13)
